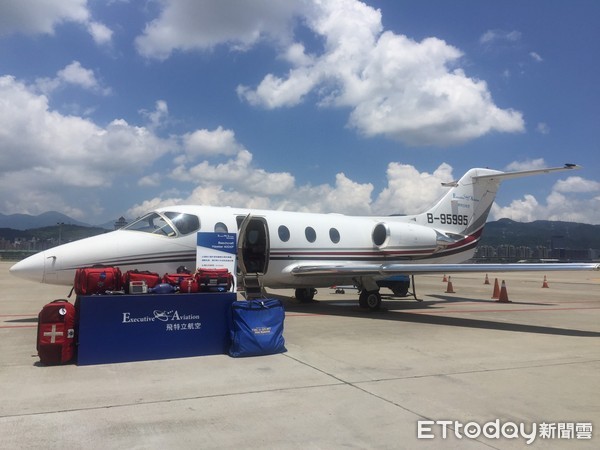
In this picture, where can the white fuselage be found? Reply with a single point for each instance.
(291, 238)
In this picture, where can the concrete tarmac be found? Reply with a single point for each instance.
(350, 378)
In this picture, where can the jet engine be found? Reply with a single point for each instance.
(392, 236)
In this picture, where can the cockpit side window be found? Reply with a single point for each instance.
(171, 224)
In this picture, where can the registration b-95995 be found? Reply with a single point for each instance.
(448, 219)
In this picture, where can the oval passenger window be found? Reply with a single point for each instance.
(334, 235)
(220, 227)
(284, 233)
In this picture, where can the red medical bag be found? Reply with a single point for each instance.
(188, 286)
(56, 333)
(97, 280)
(214, 279)
(150, 278)
(175, 279)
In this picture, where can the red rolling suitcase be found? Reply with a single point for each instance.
(56, 333)
(214, 279)
(97, 280)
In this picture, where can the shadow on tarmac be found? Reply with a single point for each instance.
(28, 320)
(397, 309)
(400, 312)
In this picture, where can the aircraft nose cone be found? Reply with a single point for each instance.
(31, 268)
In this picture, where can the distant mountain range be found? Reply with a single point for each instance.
(552, 234)
(27, 222)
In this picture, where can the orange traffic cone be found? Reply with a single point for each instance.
(444, 279)
(450, 289)
(487, 280)
(545, 284)
(503, 294)
(496, 293)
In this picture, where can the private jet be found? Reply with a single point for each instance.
(303, 251)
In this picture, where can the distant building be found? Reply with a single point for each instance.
(524, 252)
(120, 223)
(541, 252)
(506, 251)
(485, 251)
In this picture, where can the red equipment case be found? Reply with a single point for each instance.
(186, 282)
(214, 279)
(56, 333)
(175, 279)
(188, 286)
(97, 280)
(150, 278)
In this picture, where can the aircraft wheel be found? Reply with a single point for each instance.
(362, 299)
(401, 291)
(305, 295)
(370, 299)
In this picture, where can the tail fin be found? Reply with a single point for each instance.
(463, 211)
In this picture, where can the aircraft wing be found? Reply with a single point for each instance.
(385, 270)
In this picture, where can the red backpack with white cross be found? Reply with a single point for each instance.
(56, 333)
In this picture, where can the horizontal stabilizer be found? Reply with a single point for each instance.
(525, 173)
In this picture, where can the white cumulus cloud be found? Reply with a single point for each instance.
(411, 91)
(45, 153)
(394, 86)
(73, 74)
(576, 184)
(99, 32)
(210, 143)
(409, 191)
(203, 24)
(40, 16)
(574, 199)
(33, 17)
(528, 164)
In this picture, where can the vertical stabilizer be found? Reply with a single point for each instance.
(465, 208)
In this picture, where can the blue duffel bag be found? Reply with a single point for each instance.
(257, 328)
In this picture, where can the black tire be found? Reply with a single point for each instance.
(305, 295)
(370, 299)
(362, 299)
(400, 291)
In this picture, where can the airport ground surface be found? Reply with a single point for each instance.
(351, 378)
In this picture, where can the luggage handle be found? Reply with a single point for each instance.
(256, 304)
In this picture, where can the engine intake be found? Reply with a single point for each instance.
(400, 235)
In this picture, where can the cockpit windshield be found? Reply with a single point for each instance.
(184, 223)
(166, 224)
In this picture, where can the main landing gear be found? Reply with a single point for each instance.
(367, 299)
(305, 295)
(370, 299)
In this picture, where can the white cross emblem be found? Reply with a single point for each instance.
(52, 334)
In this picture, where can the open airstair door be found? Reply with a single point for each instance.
(253, 253)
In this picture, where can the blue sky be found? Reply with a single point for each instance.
(114, 108)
